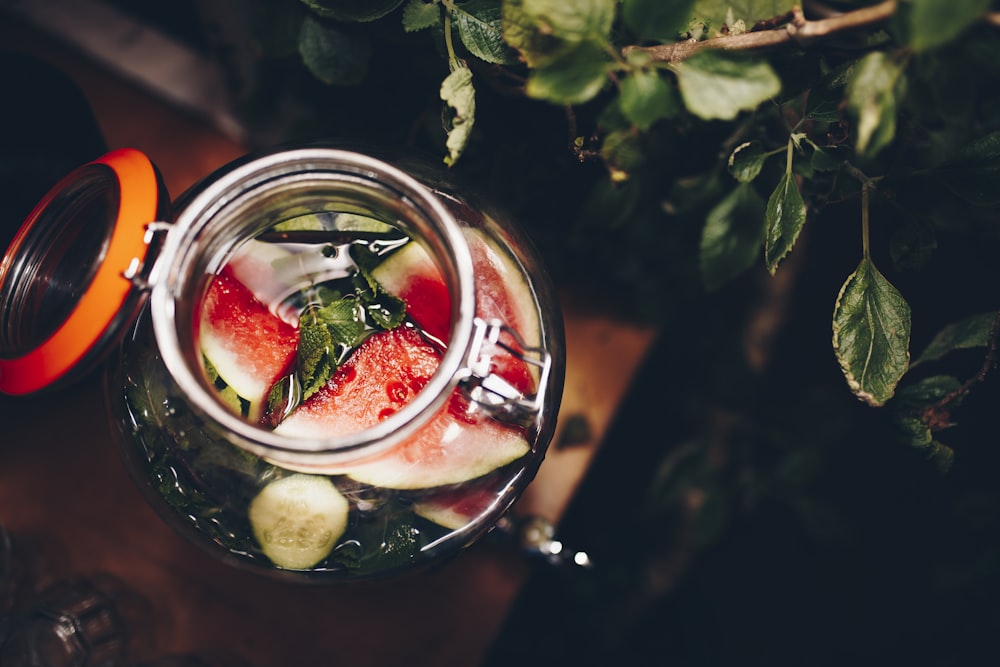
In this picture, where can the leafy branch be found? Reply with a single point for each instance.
(689, 111)
(792, 28)
(932, 413)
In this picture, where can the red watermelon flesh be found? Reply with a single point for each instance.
(384, 373)
(234, 326)
(264, 269)
(501, 293)
(455, 507)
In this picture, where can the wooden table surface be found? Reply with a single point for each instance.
(65, 494)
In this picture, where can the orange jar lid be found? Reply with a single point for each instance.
(72, 277)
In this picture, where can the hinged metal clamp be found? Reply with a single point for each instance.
(137, 271)
(488, 389)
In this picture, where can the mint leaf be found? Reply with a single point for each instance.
(785, 216)
(873, 89)
(459, 97)
(717, 86)
(480, 28)
(385, 310)
(732, 236)
(382, 309)
(871, 334)
(380, 544)
(325, 335)
(934, 23)
(418, 15)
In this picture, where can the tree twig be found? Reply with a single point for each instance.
(932, 414)
(798, 30)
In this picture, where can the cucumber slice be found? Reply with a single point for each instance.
(297, 520)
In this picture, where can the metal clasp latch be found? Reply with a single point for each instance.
(490, 390)
(137, 271)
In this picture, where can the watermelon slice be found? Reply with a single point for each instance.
(455, 508)
(384, 373)
(261, 267)
(234, 325)
(501, 293)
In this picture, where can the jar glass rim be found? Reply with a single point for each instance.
(215, 221)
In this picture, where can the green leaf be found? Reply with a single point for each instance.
(974, 175)
(418, 15)
(608, 206)
(324, 335)
(646, 98)
(334, 56)
(934, 23)
(657, 20)
(912, 417)
(873, 90)
(622, 153)
(979, 186)
(912, 431)
(381, 543)
(825, 110)
(459, 96)
(871, 334)
(983, 150)
(925, 393)
(827, 158)
(480, 28)
(574, 77)
(732, 236)
(577, 21)
(784, 216)
(718, 85)
(746, 161)
(521, 31)
(972, 332)
(721, 12)
(352, 10)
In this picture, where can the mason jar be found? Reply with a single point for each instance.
(324, 364)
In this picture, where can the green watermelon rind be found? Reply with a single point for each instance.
(228, 357)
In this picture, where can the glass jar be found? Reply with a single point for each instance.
(335, 365)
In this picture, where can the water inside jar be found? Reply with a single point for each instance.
(317, 327)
